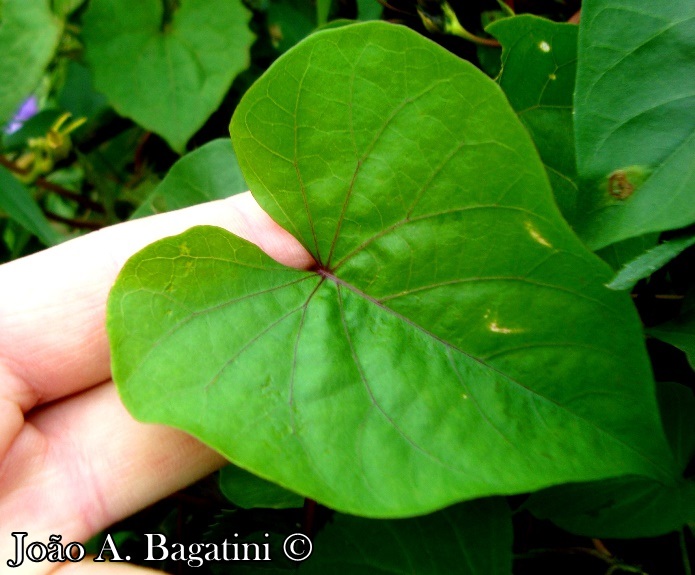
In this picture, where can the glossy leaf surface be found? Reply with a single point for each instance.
(167, 76)
(210, 173)
(456, 339)
(539, 64)
(473, 539)
(635, 118)
(29, 34)
(632, 506)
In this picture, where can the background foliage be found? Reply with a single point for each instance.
(116, 109)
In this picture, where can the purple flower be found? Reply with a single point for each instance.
(29, 108)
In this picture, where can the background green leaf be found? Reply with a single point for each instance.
(456, 339)
(620, 253)
(18, 204)
(168, 77)
(210, 173)
(77, 95)
(65, 7)
(632, 506)
(323, 9)
(369, 9)
(635, 118)
(29, 34)
(679, 332)
(539, 63)
(472, 539)
(248, 491)
(647, 263)
(290, 21)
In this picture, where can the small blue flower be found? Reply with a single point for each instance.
(29, 108)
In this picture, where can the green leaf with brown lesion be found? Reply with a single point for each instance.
(635, 118)
(455, 339)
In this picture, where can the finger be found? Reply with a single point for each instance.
(82, 464)
(52, 304)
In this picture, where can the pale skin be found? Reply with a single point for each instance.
(72, 460)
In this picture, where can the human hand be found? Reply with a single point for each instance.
(72, 460)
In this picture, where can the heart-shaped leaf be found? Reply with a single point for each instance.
(635, 118)
(167, 76)
(455, 339)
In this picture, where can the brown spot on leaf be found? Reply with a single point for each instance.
(619, 185)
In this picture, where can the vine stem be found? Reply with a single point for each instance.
(614, 564)
(13, 167)
(601, 548)
(665, 296)
(84, 225)
(45, 184)
(385, 4)
(454, 27)
(309, 514)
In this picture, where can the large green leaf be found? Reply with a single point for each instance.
(539, 63)
(635, 118)
(632, 506)
(19, 205)
(168, 77)
(210, 173)
(29, 34)
(455, 339)
(471, 539)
